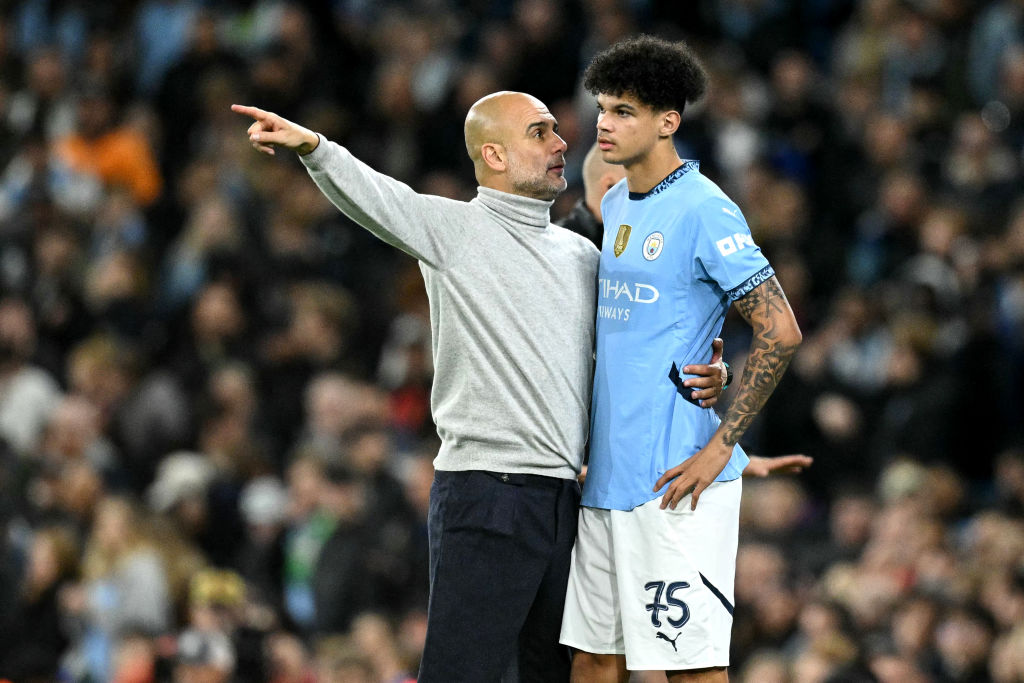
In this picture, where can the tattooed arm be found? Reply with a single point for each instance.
(776, 337)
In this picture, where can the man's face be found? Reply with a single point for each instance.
(627, 130)
(536, 153)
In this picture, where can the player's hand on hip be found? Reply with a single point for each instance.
(270, 130)
(694, 475)
(760, 466)
(710, 383)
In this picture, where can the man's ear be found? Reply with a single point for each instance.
(494, 156)
(670, 121)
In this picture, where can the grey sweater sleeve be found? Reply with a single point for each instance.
(420, 225)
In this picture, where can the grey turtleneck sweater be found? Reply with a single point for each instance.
(512, 302)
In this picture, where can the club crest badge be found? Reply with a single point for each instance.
(622, 239)
(652, 245)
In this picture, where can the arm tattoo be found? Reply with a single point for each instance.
(766, 309)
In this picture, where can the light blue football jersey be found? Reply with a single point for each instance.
(673, 260)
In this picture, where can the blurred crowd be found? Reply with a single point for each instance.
(215, 439)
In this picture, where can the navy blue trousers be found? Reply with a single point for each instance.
(500, 547)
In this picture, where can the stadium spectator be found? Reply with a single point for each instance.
(124, 588)
(34, 633)
(115, 153)
(27, 393)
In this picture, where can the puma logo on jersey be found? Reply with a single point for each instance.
(735, 213)
(671, 640)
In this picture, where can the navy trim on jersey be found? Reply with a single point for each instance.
(751, 283)
(718, 593)
(688, 165)
(684, 391)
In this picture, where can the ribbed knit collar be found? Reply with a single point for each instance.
(515, 208)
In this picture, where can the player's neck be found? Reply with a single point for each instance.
(647, 172)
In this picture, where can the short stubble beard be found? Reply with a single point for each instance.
(538, 187)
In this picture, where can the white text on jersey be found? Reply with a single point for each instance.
(636, 292)
(737, 241)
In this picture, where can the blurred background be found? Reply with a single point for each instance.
(215, 440)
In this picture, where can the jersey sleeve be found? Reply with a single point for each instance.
(725, 250)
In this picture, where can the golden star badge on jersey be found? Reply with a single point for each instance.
(622, 239)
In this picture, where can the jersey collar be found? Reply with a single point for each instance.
(687, 166)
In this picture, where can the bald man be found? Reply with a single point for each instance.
(512, 308)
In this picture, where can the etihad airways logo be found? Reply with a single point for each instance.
(637, 292)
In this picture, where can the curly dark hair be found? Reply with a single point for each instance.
(662, 74)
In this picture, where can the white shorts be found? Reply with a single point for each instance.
(656, 585)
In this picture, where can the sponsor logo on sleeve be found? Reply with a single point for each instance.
(735, 242)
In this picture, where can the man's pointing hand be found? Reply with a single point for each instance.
(270, 130)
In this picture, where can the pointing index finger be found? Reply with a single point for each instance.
(254, 112)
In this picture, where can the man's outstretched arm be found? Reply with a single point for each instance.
(422, 226)
(775, 340)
